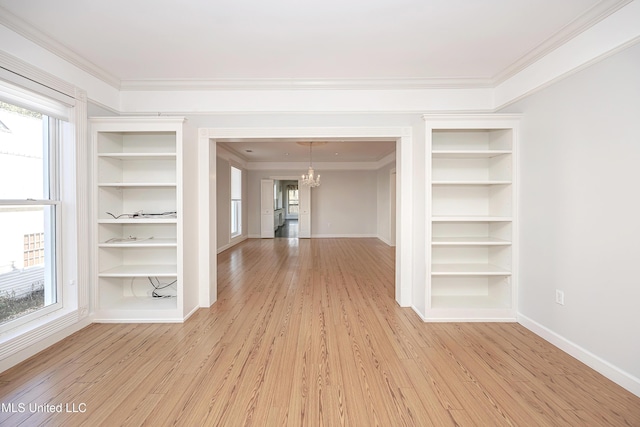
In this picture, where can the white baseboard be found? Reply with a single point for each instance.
(615, 374)
(323, 236)
(422, 316)
(385, 240)
(232, 243)
(189, 314)
(343, 236)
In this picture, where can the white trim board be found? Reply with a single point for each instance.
(344, 236)
(231, 244)
(389, 158)
(608, 36)
(618, 376)
(419, 313)
(385, 241)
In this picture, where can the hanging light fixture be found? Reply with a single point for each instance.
(310, 179)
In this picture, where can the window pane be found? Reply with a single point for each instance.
(22, 153)
(236, 202)
(236, 183)
(27, 259)
(292, 198)
(236, 218)
(28, 276)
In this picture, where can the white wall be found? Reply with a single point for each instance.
(384, 202)
(191, 234)
(223, 201)
(579, 214)
(94, 110)
(223, 205)
(345, 205)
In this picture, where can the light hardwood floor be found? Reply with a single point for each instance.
(307, 333)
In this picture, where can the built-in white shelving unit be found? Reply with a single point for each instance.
(138, 219)
(471, 271)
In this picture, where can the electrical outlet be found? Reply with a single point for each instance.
(559, 297)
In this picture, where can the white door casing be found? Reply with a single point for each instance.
(266, 209)
(304, 213)
(392, 213)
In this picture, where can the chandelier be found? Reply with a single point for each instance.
(310, 179)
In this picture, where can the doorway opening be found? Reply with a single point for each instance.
(287, 209)
(208, 138)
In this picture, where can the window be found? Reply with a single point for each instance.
(29, 214)
(292, 199)
(33, 249)
(236, 202)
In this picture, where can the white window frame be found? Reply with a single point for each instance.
(75, 212)
(235, 208)
(297, 205)
(52, 221)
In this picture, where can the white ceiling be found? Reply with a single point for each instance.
(471, 41)
(324, 150)
(310, 43)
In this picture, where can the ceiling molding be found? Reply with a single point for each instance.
(228, 153)
(353, 165)
(306, 132)
(595, 14)
(31, 33)
(302, 84)
(34, 76)
(571, 72)
(318, 166)
(389, 158)
(214, 134)
(225, 153)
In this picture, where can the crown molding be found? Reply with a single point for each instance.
(31, 33)
(306, 132)
(224, 153)
(586, 65)
(475, 116)
(303, 84)
(134, 120)
(344, 132)
(595, 14)
(389, 158)
(318, 166)
(28, 71)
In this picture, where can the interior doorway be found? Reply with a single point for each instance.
(288, 226)
(207, 271)
(285, 208)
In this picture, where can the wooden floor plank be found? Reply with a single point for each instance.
(427, 389)
(307, 333)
